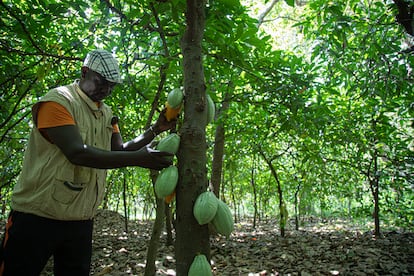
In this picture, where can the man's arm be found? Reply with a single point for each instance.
(142, 140)
(162, 124)
(69, 141)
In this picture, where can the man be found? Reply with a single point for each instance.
(74, 139)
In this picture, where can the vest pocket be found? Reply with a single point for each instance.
(65, 192)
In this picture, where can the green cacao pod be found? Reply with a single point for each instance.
(205, 207)
(200, 266)
(223, 220)
(211, 109)
(175, 98)
(169, 143)
(166, 181)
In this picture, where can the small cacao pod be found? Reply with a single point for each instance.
(166, 181)
(223, 220)
(200, 266)
(205, 207)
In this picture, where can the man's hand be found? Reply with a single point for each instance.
(153, 159)
(162, 124)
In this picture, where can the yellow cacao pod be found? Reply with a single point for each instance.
(172, 113)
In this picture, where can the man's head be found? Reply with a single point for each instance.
(100, 73)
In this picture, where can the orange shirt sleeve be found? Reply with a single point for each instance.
(115, 128)
(52, 114)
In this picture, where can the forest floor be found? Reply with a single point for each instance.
(330, 248)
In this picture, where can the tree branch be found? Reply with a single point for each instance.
(266, 12)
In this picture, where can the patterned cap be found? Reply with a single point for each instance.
(103, 63)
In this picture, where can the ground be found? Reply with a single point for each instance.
(329, 248)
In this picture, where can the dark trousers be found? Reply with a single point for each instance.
(29, 241)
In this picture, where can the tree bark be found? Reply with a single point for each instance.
(374, 186)
(373, 176)
(192, 238)
(124, 196)
(218, 152)
(168, 224)
(253, 183)
(405, 15)
(152, 250)
(297, 201)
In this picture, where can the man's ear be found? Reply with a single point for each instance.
(84, 71)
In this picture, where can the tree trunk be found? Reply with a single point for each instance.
(373, 176)
(192, 238)
(153, 246)
(124, 196)
(218, 152)
(233, 199)
(217, 164)
(376, 208)
(297, 200)
(253, 183)
(282, 206)
(168, 224)
(374, 186)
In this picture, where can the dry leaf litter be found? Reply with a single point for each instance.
(330, 248)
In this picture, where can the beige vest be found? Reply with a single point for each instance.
(49, 185)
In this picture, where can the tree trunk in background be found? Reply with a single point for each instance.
(218, 152)
(253, 183)
(297, 202)
(154, 243)
(124, 196)
(168, 224)
(373, 175)
(374, 186)
(192, 238)
(282, 207)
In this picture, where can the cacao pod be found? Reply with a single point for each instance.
(200, 266)
(171, 113)
(205, 207)
(223, 220)
(169, 143)
(175, 98)
(166, 181)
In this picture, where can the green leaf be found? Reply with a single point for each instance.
(290, 2)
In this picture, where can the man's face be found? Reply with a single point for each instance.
(95, 86)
